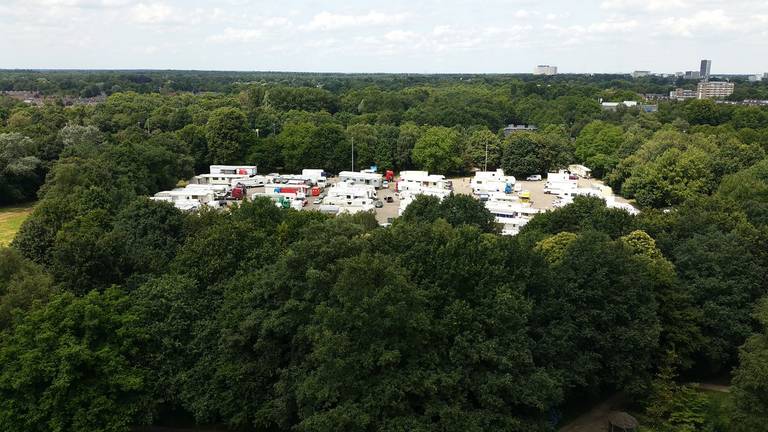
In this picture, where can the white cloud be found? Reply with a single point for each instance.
(613, 27)
(648, 5)
(83, 3)
(275, 22)
(400, 36)
(236, 35)
(706, 20)
(153, 13)
(332, 21)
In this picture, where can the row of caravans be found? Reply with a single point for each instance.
(349, 198)
(414, 183)
(231, 182)
(564, 184)
(193, 196)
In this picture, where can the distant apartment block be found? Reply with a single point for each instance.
(714, 89)
(682, 94)
(656, 96)
(756, 78)
(692, 75)
(640, 74)
(510, 129)
(613, 106)
(545, 70)
(705, 69)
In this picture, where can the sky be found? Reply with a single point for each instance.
(415, 36)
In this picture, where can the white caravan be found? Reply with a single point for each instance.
(216, 179)
(244, 170)
(351, 198)
(318, 177)
(361, 178)
(511, 214)
(492, 181)
(421, 182)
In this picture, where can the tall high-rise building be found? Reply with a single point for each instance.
(545, 70)
(705, 69)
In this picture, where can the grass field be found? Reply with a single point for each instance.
(10, 220)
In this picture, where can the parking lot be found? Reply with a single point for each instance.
(461, 185)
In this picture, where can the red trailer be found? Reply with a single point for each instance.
(238, 192)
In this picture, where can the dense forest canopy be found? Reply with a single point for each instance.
(117, 311)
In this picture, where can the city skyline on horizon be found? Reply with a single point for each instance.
(457, 36)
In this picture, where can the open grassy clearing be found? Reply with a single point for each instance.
(11, 218)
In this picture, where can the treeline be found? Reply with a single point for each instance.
(660, 159)
(118, 311)
(265, 319)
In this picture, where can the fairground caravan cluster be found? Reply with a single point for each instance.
(565, 184)
(349, 198)
(600, 191)
(212, 190)
(194, 196)
(486, 182)
(414, 183)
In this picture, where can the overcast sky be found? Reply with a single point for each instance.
(386, 36)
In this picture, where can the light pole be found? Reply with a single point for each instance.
(485, 168)
(353, 154)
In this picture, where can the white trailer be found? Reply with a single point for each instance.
(350, 198)
(511, 214)
(216, 179)
(561, 183)
(317, 176)
(417, 182)
(580, 170)
(246, 170)
(361, 178)
(485, 182)
(250, 182)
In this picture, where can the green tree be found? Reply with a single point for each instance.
(597, 146)
(477, 143)
(227, 135)
(22, 283)
(750, 382)
(68, 367)
(437, 150)
(19, 168)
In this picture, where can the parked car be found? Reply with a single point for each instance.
(378, 204)
(533, 178)
(385, 184)
(389, 199)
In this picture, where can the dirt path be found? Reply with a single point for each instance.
(596, 420)
(713, 387)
